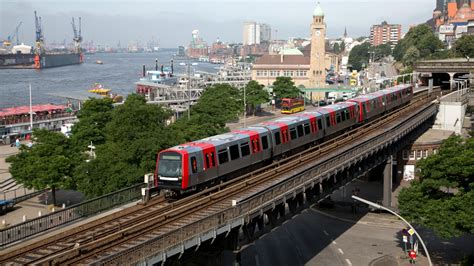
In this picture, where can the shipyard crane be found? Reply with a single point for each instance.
(8, 42)
(77, 36)
(39, 47)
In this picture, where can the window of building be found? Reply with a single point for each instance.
(234, 152)
(406, 154)
(425, 153)
(223, 156)
(245, 149)
(412, 155)
(419, 154)
(288, 73)
(274, 73)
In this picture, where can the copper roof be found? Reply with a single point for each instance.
(287, 60)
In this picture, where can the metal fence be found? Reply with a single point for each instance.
(72, 213)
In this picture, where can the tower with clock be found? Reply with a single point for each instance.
(318, 49)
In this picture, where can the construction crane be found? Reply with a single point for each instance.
(39, 48)
(8, 42)
(77, 36)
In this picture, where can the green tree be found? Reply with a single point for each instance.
(411, 56)
(336, 48)
(443, 197)
(284, 87)
(218, 105)
(93, 117)
(422, 38)
(465, 46)
(49, 163)
(381, 51)
(133, 136)
(342, 46)
(359, 56)
(255, 95)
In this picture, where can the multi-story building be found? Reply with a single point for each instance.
(265, 32)
(307, 66)
(251, 33)
(198, 47)
(385, 33)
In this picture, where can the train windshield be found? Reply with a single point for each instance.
(169, 165)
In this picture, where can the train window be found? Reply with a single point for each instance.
(293, 134)
(193, 164)
(328, 122)
(320, 124)
(300, 131)
(277, 138)
(265, 142)
(234, 152)
(307, 129)
(213, 159)
(244, 149)
(207, 162)
(223, 156)
(338, 118)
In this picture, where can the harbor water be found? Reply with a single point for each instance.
(118, 72)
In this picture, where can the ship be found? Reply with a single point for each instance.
(23, 56)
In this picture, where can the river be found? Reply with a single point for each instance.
(118, 72)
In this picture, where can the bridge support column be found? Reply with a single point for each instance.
(451, 81)
(387, 183)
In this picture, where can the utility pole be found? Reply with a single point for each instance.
(31, 111)
(189, 92)
(245, 109)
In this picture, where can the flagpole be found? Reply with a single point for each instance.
(31, 112)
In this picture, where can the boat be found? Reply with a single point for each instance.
(105, 92)
(99, 62)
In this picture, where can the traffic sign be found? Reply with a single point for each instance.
(412, 254)
(411, 231)
(404, 232)
(405, 239)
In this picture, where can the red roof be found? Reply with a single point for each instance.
(20, 110)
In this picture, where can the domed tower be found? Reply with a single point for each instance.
(318, 49)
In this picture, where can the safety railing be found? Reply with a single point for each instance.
(69, 214)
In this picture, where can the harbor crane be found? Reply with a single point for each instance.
(77, 36)
(39, 47)
(8, 42)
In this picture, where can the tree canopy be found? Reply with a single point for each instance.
(420, 37)
(464, 46)
(255, 95)
(93, 117)
(218, 105)
(284, 87)
(381, 51)
(359, 56)
(49, 163)
(443, 197)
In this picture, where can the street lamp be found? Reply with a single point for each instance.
(375, 205)
(188, 85)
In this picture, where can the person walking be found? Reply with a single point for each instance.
(17, 142)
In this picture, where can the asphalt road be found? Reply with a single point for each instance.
(312, 238)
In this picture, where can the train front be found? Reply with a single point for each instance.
(171, 172)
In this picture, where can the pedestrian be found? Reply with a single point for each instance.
(17, 142)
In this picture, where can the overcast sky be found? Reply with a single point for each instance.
(171, 21)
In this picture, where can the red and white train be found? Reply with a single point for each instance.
(201, 163)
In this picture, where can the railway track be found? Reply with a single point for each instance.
(128, 228)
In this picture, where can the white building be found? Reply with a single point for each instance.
(251, 33)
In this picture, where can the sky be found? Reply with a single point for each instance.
(107, 22)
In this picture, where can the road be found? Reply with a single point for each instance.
(314, 238)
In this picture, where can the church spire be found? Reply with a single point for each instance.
(345, 32)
